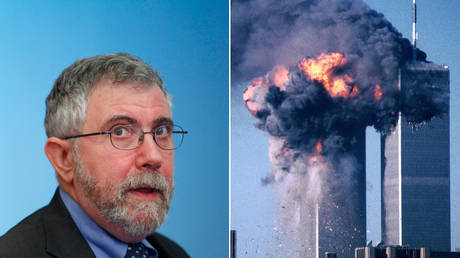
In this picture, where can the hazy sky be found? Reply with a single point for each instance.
(254, 207)
(185, 41)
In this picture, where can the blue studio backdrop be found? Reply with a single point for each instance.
(185, 41)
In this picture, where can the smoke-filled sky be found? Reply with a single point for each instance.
(268, 33)
(254, 206)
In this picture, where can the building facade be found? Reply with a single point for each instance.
(341, 214)
(416, 173)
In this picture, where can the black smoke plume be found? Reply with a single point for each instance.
(266, 34)
(317, 139)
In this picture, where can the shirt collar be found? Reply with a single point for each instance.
(101, 242)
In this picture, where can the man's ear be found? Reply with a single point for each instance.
(60, 154)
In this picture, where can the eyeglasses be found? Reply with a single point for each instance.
(131, 136)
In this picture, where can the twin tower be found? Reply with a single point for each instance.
(415, 182)
(416, 175)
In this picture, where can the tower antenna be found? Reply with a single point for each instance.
(414, 31)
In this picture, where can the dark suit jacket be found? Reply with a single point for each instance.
(51, 232)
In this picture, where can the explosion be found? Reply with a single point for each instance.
(321, 69)
(333, 71)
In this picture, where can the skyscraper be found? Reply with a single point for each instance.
(416, 173)
(341, 215)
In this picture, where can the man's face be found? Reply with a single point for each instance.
(129, 189)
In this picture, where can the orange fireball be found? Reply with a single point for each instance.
(279, 77)
(321, 69)
(377, 92)
(319, 147)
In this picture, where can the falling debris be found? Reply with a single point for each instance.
(324, 70)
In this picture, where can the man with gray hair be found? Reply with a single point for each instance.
(111, 141)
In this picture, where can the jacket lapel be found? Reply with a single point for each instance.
(63, 239)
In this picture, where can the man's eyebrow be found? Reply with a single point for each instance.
(162, 120)
(120, 118)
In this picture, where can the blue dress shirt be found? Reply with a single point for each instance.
(101, 242)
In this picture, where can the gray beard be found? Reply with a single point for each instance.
(138, 218)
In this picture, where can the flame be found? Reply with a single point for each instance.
(321, 69)
(319, 147)
(377, 92)
(284, 149)
(317, 159)
(258, 81)
(249, 95)
(248, 98)
(354, 91)
(279, 77)
(254, 94)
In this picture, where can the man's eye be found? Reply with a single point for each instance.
(122, 131)
(163, 131)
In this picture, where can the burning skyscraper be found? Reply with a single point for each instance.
(416, 165)
(326, 70)
(416, 172)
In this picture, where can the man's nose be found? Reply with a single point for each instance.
(149, 154)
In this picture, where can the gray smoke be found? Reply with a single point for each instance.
(299, 114)
(266, 33)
